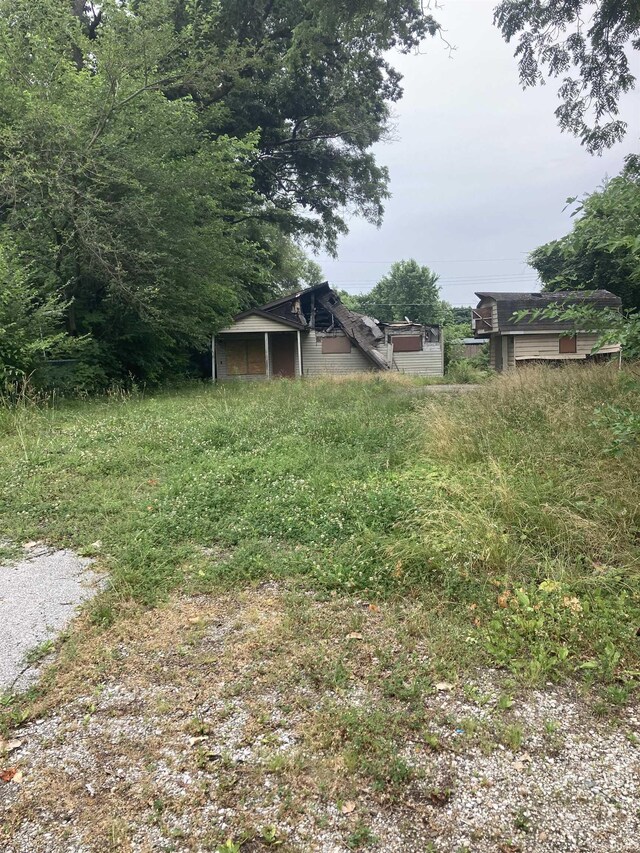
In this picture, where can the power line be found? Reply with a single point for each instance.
(469, 277)
(447, 283)
(452, 261)
(469, 284)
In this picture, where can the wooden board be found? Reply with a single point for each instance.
(407, 343)
(335, 344)
(283, 355)
(245, 357)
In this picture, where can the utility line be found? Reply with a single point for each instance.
(452, 261)
(496, 277)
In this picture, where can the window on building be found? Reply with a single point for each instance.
(336, 344)
(407, 343)
(245, 358)
(567, 344)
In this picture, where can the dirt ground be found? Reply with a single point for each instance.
(278, 718)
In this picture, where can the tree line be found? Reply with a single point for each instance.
(162, 161)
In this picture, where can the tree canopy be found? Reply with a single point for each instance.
(409, 290)
(602, 251)
(158, 158)
(588, 45)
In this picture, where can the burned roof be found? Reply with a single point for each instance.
(508, 303)
(295, 310)
(360, 329)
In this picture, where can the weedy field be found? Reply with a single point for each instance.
(382, 554)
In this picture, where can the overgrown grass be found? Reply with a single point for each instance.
(503, 507)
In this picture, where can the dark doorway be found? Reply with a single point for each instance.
(283, 354)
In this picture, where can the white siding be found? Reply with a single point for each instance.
(427, 362)
(314, 363)
(547, 346)
(255, 323)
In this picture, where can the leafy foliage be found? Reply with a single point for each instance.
(159, 157)
(29, 327)
(409, 290)
(603, 248)
(611, 326)
(596, 40)
(314, 78)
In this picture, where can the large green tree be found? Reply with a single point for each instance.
(115, 199)
(602, 251)
(408, 290)
(313, 76)
(588, 45)
(159, 157)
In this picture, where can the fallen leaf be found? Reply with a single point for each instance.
(13, 744)
(348, 807)
(375, 608)
(17, 777)
(29, 545)
(444, 685)
(354, 636)
(96, 545)
(199, 739)
(8, 774)
(518, 765)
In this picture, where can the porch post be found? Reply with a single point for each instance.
(505, 352)
(299, 353)
(213, 358)
(267, 360)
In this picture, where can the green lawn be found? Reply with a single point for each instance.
(510, 511)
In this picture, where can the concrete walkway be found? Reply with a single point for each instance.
(39, 595)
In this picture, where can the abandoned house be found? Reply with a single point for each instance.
(514, 342)
(312, 332)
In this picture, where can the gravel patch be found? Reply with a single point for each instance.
(39, 595)
(196, 726)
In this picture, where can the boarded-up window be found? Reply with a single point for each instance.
(568, 343)
(407, 343)
(336, 344)
(245, 357)
(255, 357)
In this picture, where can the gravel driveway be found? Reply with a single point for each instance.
(39, 596)
(219, 718)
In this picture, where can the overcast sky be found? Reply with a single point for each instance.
(479, 168)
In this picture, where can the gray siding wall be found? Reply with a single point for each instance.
(547, 347)
(428, 362)
(314, 363)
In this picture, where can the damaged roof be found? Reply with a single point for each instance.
(508, 303)
(363, 331)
